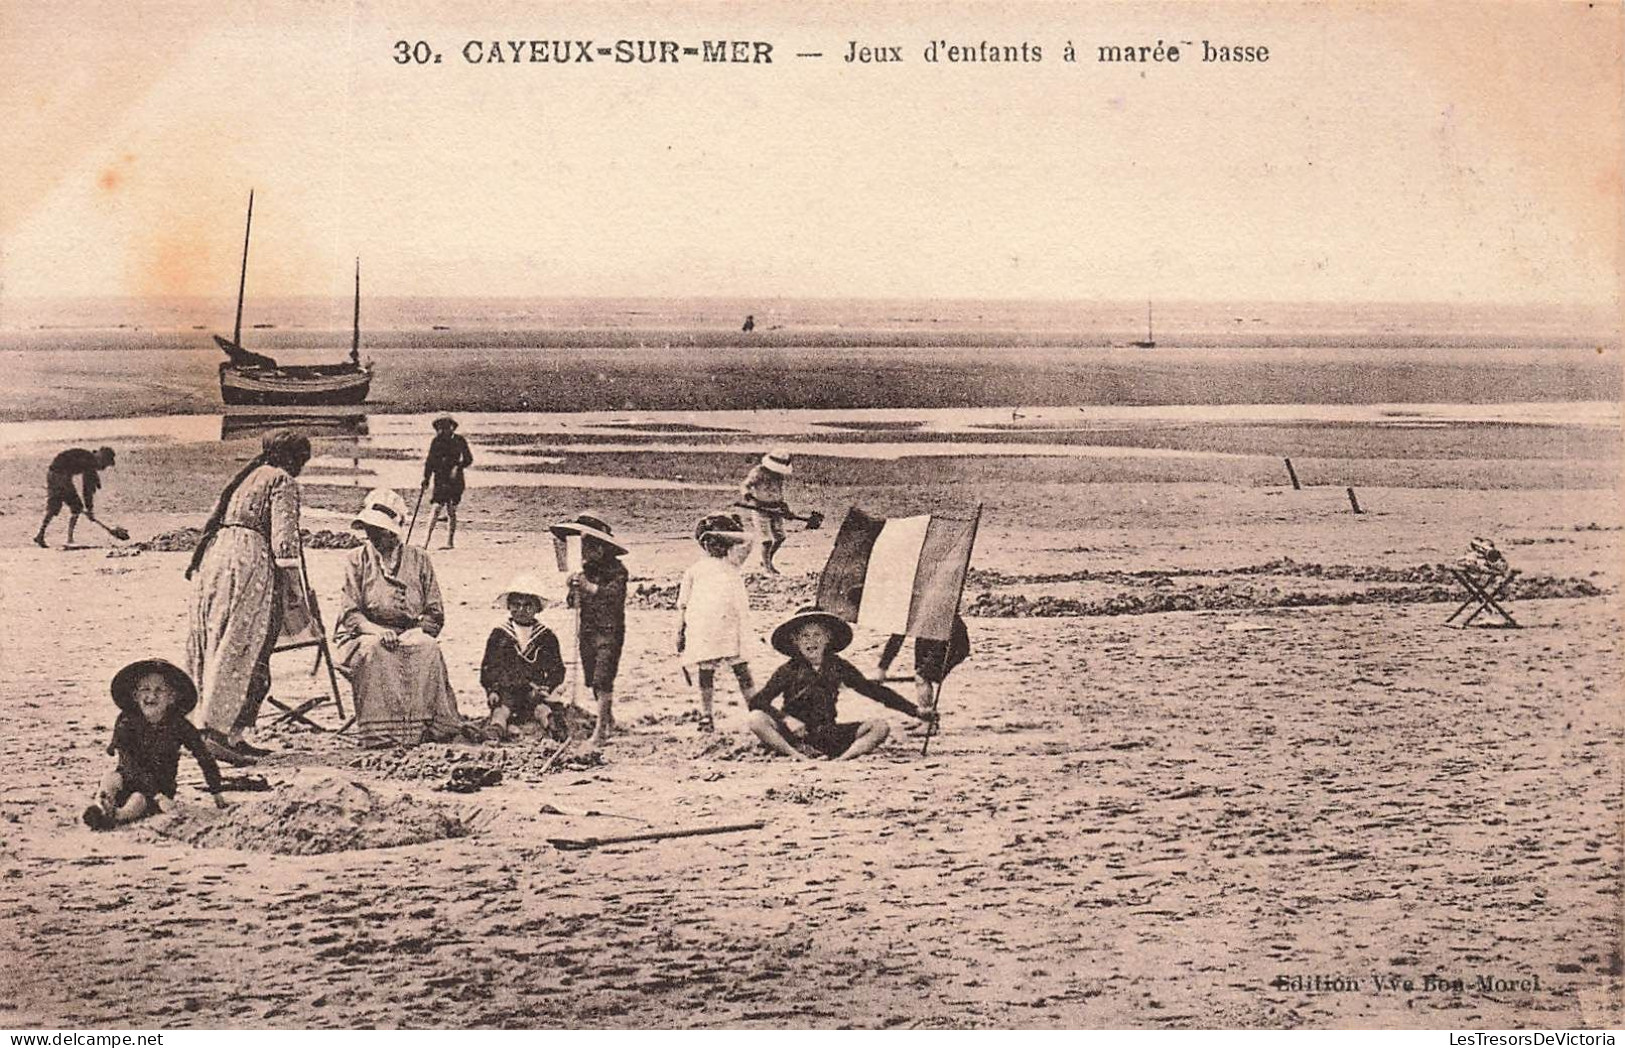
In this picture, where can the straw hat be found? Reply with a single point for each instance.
(524, 584)
(445, 422)
(840, 633)
(590, 526)
(125, 680)
(777, 460)
(385, 509)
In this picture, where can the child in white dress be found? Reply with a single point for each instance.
(714, 609)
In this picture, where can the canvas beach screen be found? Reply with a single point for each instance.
(899, 575)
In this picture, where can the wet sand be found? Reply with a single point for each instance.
(1143, 820)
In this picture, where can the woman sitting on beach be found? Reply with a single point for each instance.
(389, 617)
(236, 609)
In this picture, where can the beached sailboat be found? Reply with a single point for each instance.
(254, 378)
(1149, 342)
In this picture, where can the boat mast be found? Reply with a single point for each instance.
(1148, 335)
(242, 281)
(355, 337)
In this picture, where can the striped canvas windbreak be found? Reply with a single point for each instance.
(902, 575)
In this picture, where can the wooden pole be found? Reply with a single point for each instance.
(1354, 501)
(1293, 474)
(584, 843)
(355, 336)
(242, 281)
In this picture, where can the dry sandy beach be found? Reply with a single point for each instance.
(1152, 818)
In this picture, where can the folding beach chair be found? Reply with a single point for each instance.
(1484, 591)
(302, 627)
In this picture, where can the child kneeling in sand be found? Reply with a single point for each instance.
(714, 610)
(809, 682)
(153, 697)
(522, 665)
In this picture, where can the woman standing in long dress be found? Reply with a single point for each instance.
(389, 618)
(236, 608)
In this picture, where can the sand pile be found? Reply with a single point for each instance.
(521, 760)
(1158, 595)
(767, 593)
(330, 815)
(184, 540)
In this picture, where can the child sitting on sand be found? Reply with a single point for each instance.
(713, 609)
(522, 665)
(153, 697)
(598, 592)
(809, 682)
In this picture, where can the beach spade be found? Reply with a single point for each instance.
(113, 530)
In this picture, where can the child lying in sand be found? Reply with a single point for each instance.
(153, 697)
(522, 665)
(809, 683)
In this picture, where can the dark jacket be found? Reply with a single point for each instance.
(509, 672)
(149, 754)
(809, 694)
(603, 612)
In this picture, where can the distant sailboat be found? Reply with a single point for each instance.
(253, 378)
(1149, 341)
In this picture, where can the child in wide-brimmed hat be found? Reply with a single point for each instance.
(806, 727)
(763, 492)
(448, 457)
(598, 592)
(153, 697)
(714, 609)
(522, 665)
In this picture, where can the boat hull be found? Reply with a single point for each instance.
(294, 386)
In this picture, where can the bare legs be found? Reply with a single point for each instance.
(707, 681)
(871, 734)
(606, 716)
(50, 515)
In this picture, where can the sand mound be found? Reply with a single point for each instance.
(330, 815)
(184, 540)
(1254, 587)
(518, 760)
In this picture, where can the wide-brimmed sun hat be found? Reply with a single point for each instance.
(725, 527)
(524, 584)
(383, 508)
(445, 422)
(777, 460)
(125, 680)
(784, 634)
(590, 526)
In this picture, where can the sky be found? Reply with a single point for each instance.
(1437, 152)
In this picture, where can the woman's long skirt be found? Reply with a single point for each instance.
(233, 628)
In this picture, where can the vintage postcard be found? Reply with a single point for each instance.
(888, 515)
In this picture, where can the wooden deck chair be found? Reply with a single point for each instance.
(1484, 591)
(302, 627)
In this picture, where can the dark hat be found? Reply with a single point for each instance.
(124, 682)
(590, 526)
(840, 632)
(445, 422)
(107, 453)
(726, 527)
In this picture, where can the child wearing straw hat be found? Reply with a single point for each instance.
(153, 697)
(522, 665)
(763, 492)
(598, 592)
(448, 457)
(809, 683)
(714, 609)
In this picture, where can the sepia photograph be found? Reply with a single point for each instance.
(748, 515)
